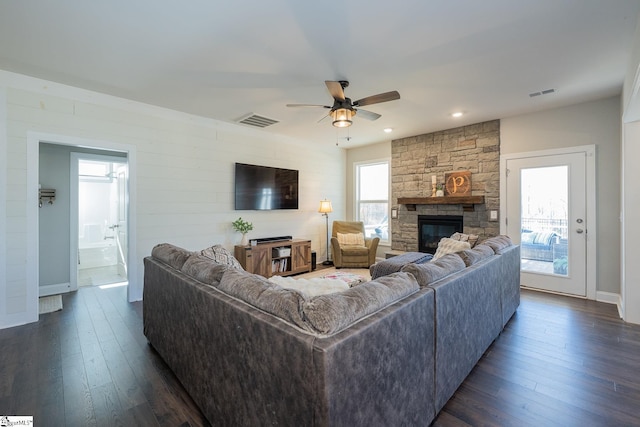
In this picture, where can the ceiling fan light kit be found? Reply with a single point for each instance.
(343, 109)
(342, 117)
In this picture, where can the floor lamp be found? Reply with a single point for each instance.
(325, 208)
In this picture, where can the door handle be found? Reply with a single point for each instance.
(579, 231)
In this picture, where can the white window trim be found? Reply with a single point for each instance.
(356, 191)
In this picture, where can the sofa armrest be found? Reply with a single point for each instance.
(380, 371)
(335, 252)
(372, 245)
(468, 319)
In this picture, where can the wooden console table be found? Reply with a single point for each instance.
(262, 259)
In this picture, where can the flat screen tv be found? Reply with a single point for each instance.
(265, 188)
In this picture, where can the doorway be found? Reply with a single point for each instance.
(548, 213)
(99, 220)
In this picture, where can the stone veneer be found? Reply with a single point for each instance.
(414, 160)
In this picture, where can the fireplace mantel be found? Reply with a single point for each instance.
(468, 202)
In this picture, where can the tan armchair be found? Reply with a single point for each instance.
(352, 255)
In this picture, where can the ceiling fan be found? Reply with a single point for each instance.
(343, 110)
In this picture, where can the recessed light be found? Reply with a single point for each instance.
(457, 114)
(388, 130)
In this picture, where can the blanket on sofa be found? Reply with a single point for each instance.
(311, 287)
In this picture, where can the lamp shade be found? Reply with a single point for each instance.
(342, 117)
(325, 206)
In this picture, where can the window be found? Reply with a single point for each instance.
(372, 198)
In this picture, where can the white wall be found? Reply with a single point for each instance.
(630, 194)
(631, 227)
(596, 123)
(184, 177)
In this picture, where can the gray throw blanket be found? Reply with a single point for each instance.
(393, 264)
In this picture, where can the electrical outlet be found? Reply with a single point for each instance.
(493, 215)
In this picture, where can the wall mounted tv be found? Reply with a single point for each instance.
(265, 188)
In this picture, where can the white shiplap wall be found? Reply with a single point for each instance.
(183, 177)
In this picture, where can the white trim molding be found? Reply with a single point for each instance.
(610, 298)
(33, 142)
(58, 288)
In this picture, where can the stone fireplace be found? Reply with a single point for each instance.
(474, 148)
(432, 228)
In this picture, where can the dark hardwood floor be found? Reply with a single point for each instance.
(560, 361)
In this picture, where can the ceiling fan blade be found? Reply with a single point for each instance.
(369, 115)
(307, 105)
(335, 89)
(323, 118)
(376, 99)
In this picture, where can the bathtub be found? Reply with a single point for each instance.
(103, 253)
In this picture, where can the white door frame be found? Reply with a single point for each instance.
(590, 153)
(134, 290)
(74, 202)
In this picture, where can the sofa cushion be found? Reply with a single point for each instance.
(498, 243)
(394, 264)
(260, 293)
(204, 269)
(222, 256)
(352, 251)
(328, 314)
(477, 254)
(430, 272)
(171, 255)
(450, 246)
(350, 239)
(471, 238)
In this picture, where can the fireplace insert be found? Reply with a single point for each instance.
(432, 228)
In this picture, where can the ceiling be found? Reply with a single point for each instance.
(226, 60)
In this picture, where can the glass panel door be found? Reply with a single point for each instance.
(546, 215)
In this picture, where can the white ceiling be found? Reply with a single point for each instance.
(227, 59)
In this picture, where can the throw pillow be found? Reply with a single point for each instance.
(544, 238)
(350, 239)
(222, 256)
(449, 246)
(471, 238)
(528, 238)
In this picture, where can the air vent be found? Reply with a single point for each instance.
(542, 92)
(257, 121)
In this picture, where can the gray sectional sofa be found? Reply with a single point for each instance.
(390, 351)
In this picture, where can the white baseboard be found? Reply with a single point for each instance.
(59, 288)
(610, 298)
